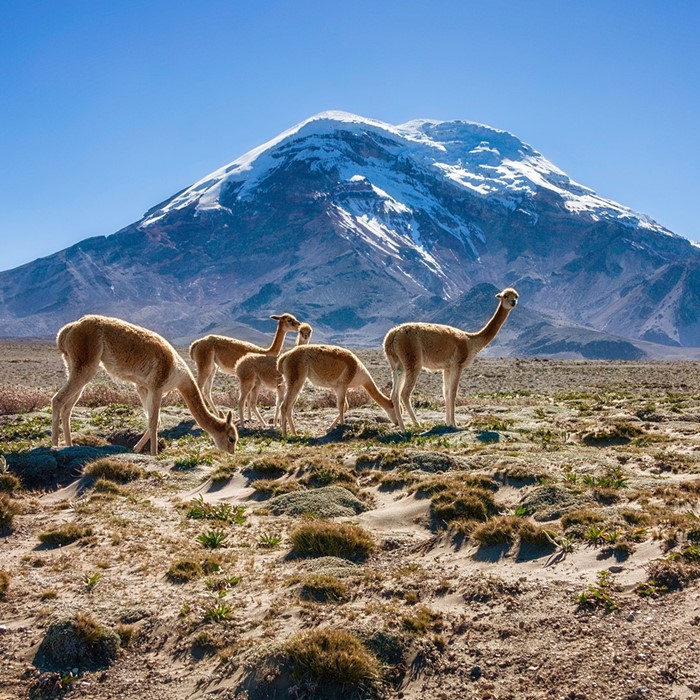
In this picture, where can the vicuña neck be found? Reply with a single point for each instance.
(381, 399)
(490, 330)
(193, 398)
(277, 341)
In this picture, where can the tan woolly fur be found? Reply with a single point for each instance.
(255, 370)
(411, 347)
(135, 355)
(326, 366)
(218, 351)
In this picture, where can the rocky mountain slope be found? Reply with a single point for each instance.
(355, 225)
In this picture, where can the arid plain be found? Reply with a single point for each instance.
(548, 548)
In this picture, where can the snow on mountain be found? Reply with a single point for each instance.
(355, 225)
(489, 162)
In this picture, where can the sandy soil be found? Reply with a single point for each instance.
(446, 616)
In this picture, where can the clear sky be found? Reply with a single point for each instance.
(109, 107)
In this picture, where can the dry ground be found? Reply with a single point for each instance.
(449, 602)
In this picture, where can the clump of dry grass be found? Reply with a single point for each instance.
(9, 482)
(673, 573)
(81, 641)
(501, 530)
(4, 584)
(323, 588)
(15, 398)
(582, 517)
(535, 535)
(320, 538)
(8, 510)
(330, 656)
(506, 529)
(422, 620)
(188, 568)
(62, 535)
(460, 499)
(270, 465)
(272, 487)
(325, 472)
(619, 433)
(113, 470)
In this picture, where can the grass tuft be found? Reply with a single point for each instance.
(113, 470)
(62, 535)
(329, 656)
(323, 588)
(320, 538)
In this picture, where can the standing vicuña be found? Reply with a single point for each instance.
(214, 351)
(412, 346)
(327, 366)
(136, 355)
(256, 369)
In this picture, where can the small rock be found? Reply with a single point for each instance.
(475, 673)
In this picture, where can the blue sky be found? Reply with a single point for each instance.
(107, 108)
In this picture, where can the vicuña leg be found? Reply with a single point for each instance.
(410, 379)
(65, 399)
(152, 408)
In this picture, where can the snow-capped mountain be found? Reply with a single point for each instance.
(354, 225)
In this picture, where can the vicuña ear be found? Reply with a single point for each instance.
(229, 419)
(275, 318)
(499, 295)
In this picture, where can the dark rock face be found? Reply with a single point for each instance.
(354, 226)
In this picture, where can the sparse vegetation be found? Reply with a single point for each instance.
(199, 509)
(541, 494)
(599, 594)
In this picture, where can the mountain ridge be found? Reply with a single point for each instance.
(358, 225)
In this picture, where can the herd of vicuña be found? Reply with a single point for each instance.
(152, 364)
